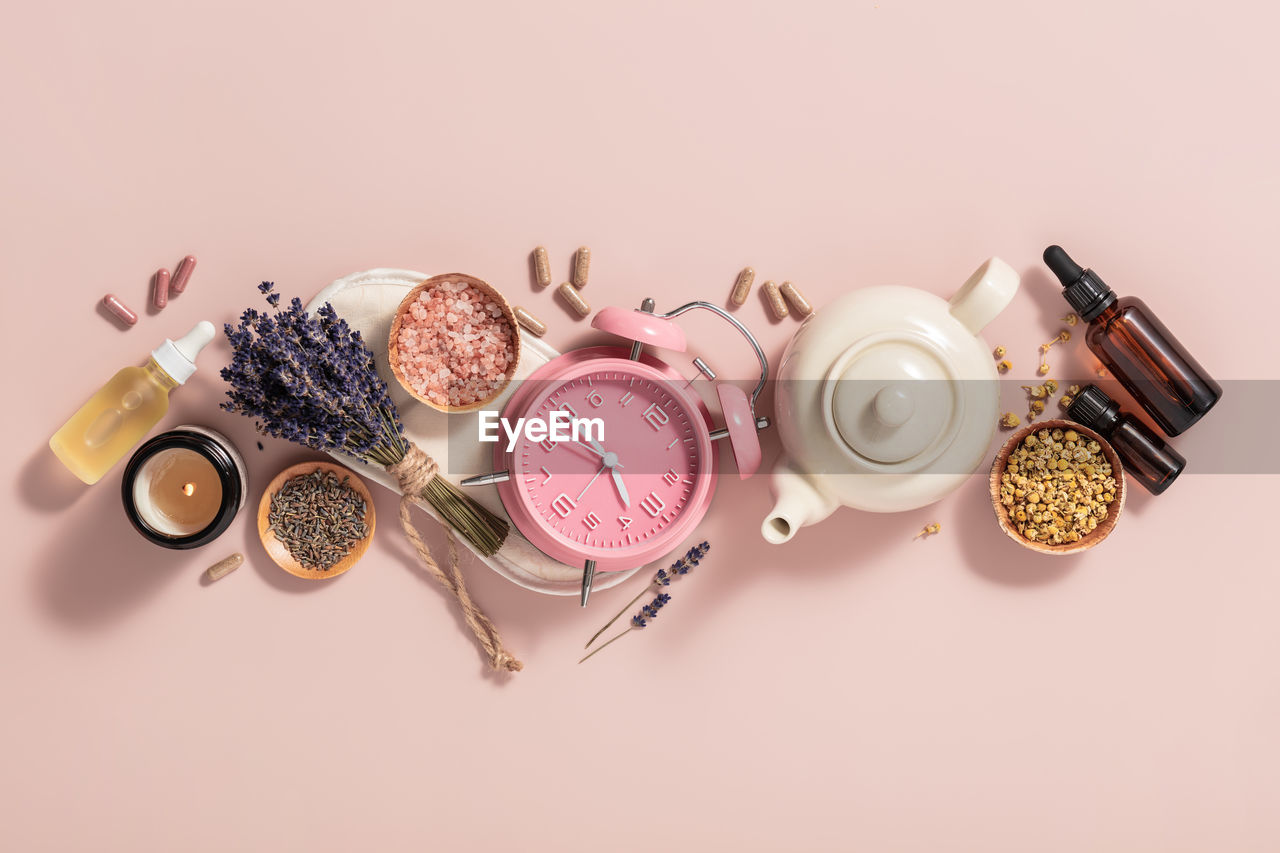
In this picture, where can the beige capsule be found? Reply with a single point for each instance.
(776, 303)
(530, 322)
(224, 567)
(570, 294)
(793, 295)
(742, 287)
(581, 266)
(542, 266)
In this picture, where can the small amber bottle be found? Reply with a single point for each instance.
(1137, 348)
(1146, 457)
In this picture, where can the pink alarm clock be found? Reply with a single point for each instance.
(628, 498)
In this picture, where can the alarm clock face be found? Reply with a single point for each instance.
(623, 498)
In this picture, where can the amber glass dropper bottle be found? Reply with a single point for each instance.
(1137, 348)
(1146, 457)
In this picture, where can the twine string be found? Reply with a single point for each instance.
(413, 473)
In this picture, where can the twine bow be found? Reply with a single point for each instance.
(413, 473)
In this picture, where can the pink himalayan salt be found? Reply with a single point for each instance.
(455, 345)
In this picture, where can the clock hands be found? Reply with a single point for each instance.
(609, 461)
(622, 490)
(597, 450)
(589, 482)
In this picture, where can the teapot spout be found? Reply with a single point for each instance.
(798, 503)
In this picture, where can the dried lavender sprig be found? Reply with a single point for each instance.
(663, 577)
(646, 615)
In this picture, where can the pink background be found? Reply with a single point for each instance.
(851, 690)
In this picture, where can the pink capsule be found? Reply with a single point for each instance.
(121, 311)
(182, 273)
(160, 288)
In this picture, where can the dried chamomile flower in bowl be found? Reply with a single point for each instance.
(1057, 487)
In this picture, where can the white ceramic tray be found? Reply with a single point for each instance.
(368, 302)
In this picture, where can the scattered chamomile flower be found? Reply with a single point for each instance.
(1071, 319)
(1004, 366)
(1009, 420)
(929, 530)
(998, 352)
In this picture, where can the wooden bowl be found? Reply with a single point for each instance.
(1094, 536)
(276, 549)
(393, 349)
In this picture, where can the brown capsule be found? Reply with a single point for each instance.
(224, 567)
(793, 295)
(581, 266)
(570, 294)
(542, 266)
(776, 303)
(121, 311)
(530, 322)
(742, 287)
(160, 288)
(182, 274)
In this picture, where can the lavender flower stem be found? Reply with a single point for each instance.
(615, 637)
(625, 608)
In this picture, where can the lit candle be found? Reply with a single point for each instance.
(177, 492)
(183, 488)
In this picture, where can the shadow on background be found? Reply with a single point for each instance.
(100, 569)
(44, 484)
(991, 554)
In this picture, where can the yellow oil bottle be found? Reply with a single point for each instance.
(127, 407)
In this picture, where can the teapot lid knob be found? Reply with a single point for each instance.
(894, 404)
(891, 399)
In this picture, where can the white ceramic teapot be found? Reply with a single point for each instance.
(886, 400)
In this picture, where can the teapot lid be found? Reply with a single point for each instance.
(892, 399)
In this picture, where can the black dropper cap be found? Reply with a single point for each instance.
(1088, 294)
(1094, 409)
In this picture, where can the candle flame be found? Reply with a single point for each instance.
(189, 489)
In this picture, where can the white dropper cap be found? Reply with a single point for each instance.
(178, 358)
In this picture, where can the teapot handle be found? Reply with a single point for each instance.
(987, 292)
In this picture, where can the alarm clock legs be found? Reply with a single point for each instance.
(588, 575)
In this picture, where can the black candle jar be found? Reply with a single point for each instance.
(183, 488)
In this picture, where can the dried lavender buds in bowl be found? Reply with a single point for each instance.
(316, 520)
(1057, 487)
(454, 343)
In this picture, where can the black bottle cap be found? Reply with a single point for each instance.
(1094, 409)
(1088, 294)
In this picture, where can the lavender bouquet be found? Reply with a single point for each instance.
(311, 380)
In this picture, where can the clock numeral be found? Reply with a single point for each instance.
(653, 504)
(671, 477)
(592, 521)
(547, 444)
(565, 407)
(563, 505)
(548, 473)
(655, 417)
(624, 521)
(595, 399)
(626, 399)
